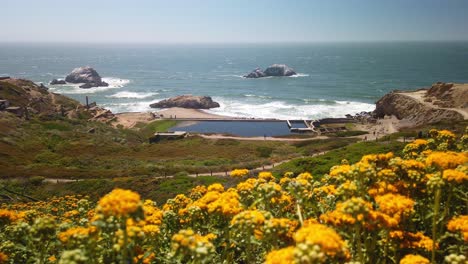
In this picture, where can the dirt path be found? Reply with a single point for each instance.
(130, 119)
(419, 96)
(215, 173)
(383, 127)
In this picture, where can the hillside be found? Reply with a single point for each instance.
(442, 102)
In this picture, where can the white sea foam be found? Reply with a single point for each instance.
(258, 96)
(299, 75)
(127, 94)
(70, 88)
(283, 110)
(137, 106)
(115, 82)
(231, 75)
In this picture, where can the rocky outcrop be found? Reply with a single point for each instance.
(187, 101)
(25, 98)
(86, 75)
(279, 70)
(425, 106)
(257, 73)
(274, 70)
(57, 81)
(448, 95)
(26, 94)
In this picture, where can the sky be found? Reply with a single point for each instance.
(232, 21)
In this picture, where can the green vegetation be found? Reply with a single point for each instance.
(315, 146)
(157, 189)
(63, 148)
(350, 133)
(321, 164)
(56, 147)
(156, 126)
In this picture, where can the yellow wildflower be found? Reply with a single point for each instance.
(446, 160)
(151, 230)
(414, 259)
(454, 176)
(281, 256)
(249, 217)
(76, 233)
(328, 241)
(198, 192)
(216, 187)
(265, 175)
(7, 216)
(339, 170)
(459, 223)
(3, 257)
(412, 240)
(188, 243)
(239, 173)
(145, 260)
(120, 203)
(394, 204)
(246, 186)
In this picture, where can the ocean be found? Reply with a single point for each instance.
(333, 79)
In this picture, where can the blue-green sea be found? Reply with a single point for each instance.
(334, 78)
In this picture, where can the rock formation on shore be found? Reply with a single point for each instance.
(24, 98)
(187, 101)
(57, 81)
(86, 75)
(442, 102)
(273, 70)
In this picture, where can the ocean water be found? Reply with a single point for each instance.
(334, 78)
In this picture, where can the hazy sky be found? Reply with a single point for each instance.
(189, 21)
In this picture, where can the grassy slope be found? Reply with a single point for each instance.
(62, 148)
(150, 188)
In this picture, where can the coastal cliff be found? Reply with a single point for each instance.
(442, 102)
(25, 98)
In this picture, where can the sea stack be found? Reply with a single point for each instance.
(57, 81)
(274, 70)
(87, 76)
(187, 101)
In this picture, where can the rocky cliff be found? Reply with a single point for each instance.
(441, 102)
(24, 98)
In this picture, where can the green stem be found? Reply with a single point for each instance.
(446, 207)
(386, 248)
(359, 244)
(125, 242)
(434, 224)
(299, 214)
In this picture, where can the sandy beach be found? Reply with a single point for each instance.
(130, 119)
(178, 112)
(383, 127)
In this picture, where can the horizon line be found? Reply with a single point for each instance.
(235, 43)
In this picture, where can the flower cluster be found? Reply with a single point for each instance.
(239, 173)
(119, 203)
(386, 207)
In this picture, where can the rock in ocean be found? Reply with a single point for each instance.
(187, 101)
(273, 70)
(57, 81)
(86, 75)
